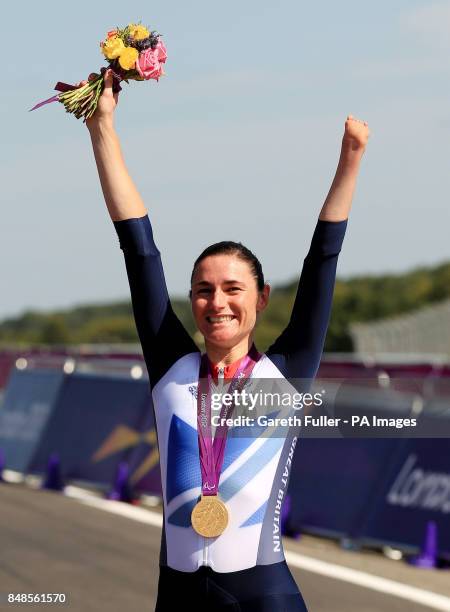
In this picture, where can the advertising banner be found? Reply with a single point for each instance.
(416, 490)
(332, 479)
(28, 405)
(95, 424)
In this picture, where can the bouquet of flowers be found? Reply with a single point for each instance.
(133, 53)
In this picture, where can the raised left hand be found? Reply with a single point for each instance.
(356, 133)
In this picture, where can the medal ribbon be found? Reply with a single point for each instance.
(212, 452)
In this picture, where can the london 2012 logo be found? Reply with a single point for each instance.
(415, 487)
(123, 437)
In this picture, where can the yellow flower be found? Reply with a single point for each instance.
(113, 48)
(138, 32)
(128, 58)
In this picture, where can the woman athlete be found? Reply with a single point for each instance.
(221, 547)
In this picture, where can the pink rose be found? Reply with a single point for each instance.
(161, 51)
(148, 65)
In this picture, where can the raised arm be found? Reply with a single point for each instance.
(121, 196)
(162, 336)
(299, 348)
(339, 199)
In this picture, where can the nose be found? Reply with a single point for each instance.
(218, 299)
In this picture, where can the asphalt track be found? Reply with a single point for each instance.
(101, 561)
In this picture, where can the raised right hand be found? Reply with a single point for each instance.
(107, 102)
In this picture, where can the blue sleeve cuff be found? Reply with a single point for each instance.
(136, 236)
(328, 237)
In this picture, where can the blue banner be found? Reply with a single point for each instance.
(376, 490)
(28, 405)
(145, 473)
(95, 425)
(331, 481)
(416, 490)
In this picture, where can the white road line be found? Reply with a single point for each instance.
(141, 515)
(309, 564)
(369, 581)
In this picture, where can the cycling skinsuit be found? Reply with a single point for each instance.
(255, 471)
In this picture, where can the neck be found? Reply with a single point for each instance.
(221, 356)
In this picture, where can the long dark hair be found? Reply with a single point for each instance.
(228, 247)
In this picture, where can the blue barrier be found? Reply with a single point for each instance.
(376, 490)
(145, 474)
(94, 426)
(416, 490)
(332, 479)
(27, 407)
(92, 421)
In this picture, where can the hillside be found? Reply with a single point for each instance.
(361, 298)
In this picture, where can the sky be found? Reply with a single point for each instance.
(239, 141)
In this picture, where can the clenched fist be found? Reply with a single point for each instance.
(356, 133)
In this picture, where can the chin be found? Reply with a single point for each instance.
(222, 339)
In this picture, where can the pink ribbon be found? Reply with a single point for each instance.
(58, 87)
(63, 87)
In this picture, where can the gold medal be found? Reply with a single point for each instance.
(209, 517)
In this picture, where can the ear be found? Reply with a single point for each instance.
(263, 298)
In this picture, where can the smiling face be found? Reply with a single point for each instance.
(225, 300)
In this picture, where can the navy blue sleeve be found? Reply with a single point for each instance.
(163, 338)
(298, 350)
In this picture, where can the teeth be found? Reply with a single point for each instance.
(221, 319)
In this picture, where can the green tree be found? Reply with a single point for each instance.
(55, 331)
